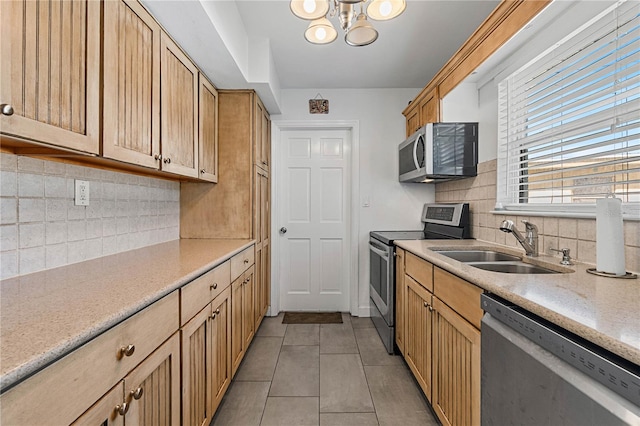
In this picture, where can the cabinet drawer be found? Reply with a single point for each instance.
(63, 391)
(241, 261)
(420, 270)
(199, 292)
(460, 295)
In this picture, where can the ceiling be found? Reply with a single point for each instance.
(409, 51)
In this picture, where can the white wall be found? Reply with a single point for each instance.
(393, 206)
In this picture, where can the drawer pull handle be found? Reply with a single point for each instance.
(127, 351)
(6, 109)
(246, 261)
(214, 286)
(137, 393)
(122, 408)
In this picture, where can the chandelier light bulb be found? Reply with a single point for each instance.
(383, 10)
(321, 33)
(309, 6)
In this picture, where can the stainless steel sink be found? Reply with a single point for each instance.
(467, 256)
(509, 267)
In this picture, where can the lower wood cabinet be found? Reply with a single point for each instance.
(242, 319)
(419, 320)
(456, 368)
(400, 305)
(149, 394)
(441, 339)
(206, 360)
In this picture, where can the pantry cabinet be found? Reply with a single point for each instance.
(50, 86)
(441, 314)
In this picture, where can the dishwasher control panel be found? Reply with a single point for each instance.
(592, 360)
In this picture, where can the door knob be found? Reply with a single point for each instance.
(283, 230)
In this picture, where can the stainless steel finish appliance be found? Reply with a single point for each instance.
(441, 221)
(534, 373)
(439, 151)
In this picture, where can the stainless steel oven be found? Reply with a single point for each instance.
(441, 221)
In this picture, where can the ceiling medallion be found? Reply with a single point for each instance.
(358, 30)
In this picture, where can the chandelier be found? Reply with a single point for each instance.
(358, 31)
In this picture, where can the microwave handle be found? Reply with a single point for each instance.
(415, 153)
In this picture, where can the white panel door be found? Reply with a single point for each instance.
(314, 198)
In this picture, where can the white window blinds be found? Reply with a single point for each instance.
(569, 121)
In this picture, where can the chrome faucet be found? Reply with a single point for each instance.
(530, 242)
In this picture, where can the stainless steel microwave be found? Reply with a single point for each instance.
(439, 151)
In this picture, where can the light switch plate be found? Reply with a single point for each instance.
(82, 193)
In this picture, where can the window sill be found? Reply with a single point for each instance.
(631, 216)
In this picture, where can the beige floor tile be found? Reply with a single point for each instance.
(348, 419)
(289, 411)
(337, 339)
(243, 404)
(372, 349)
(302, 334)
(346, 318)
(297, 372)
(397, 399)
(272, 326)
(361, 322)
(343, 386)
(260, 361)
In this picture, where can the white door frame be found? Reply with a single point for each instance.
(277, 127)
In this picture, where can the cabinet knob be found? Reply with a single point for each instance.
(158, 157)
(218, 311)
(426, 305)
(203, 171)
(213, 286)
(167, 160)
(213, 316)
(122, 408)
(431, 308)
(137, 393)
(126, 351)
(6, 109)
(246, 261)
(264, 162)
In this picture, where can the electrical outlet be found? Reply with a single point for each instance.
(82, 193)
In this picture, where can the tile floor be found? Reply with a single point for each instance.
(330, 374)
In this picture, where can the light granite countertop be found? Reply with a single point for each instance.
(605, 311)
(46, 315)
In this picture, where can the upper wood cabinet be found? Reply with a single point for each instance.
(262, 131)
(422, 111)
(208, 131)
(131, 123)
(179, 110)
(50, 72)
(413, 118)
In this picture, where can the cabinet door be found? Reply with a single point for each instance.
(153, 387)
(196, 359)
(430, 108)
(261, 136)
(266, 277)
(258, 289)
(237, 349)
(419, 332)
(51, 71)
(413, 120)
(456, 368)
(131, 69)
(179, 110)
(248, 320)
(208, 131)
(400, 305)
(220, 346)
(105, 412)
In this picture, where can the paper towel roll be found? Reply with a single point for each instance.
(609, 236)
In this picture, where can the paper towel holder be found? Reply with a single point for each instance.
(628, 275)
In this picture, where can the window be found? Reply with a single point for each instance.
(569, 121)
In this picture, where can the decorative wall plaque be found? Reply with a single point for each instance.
(319, 105)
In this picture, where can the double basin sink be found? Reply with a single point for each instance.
(494, 261)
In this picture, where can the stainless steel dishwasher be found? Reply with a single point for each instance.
(535, 373)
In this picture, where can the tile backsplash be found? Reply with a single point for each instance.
(41, 228)
(577, 234)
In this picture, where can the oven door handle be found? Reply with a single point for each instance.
(379, 252)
